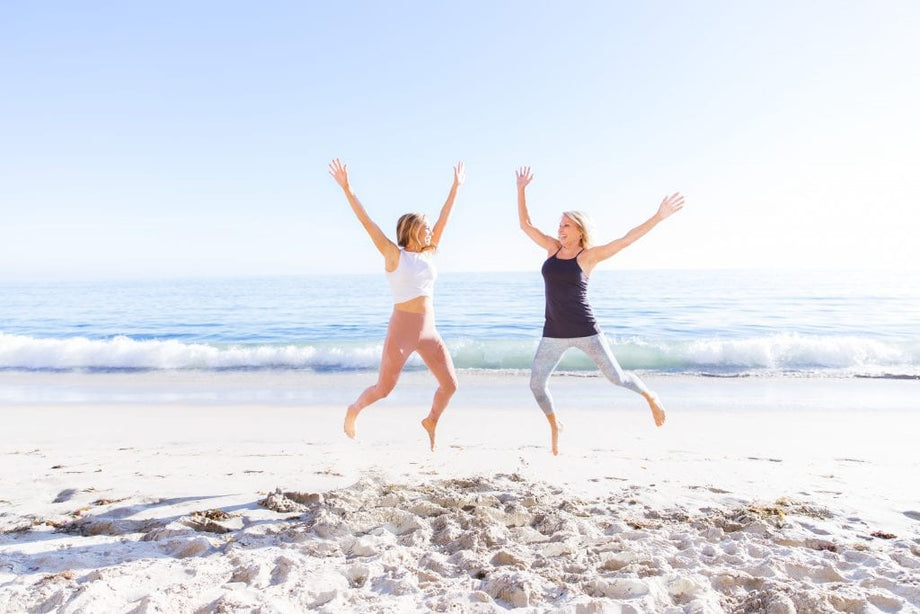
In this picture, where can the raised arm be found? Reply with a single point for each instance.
(669, 205)
(438, 230)
(545, 241)
(386, 247)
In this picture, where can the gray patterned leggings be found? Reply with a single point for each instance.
(550, 352)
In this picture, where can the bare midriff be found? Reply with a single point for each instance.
(419, 304)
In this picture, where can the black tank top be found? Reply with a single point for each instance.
(568, 313)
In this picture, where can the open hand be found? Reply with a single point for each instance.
(671, 204)
(339, 172)
(459, 173)
(524, 176)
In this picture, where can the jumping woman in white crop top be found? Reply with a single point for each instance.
(411, 273)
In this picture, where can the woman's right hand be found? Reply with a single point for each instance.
(523, 177)
(339, 172)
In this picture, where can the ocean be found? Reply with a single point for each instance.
(724, 323)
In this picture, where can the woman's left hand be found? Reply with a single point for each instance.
(339, 172)
(459, 173)
(670, 205)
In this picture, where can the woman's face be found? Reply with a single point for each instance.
(569, 234)
(423, 233)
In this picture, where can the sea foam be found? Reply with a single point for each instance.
(784, 353)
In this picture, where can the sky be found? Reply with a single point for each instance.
(177, 139)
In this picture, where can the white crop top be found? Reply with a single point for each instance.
(414, 276)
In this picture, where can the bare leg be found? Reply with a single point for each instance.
(654, 403)
(554, 428)
(351, 415)
(391, 364)
(435, 355)
(372, 394)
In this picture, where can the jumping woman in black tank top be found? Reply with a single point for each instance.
(570, 321)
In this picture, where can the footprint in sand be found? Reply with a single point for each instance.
(912, 515)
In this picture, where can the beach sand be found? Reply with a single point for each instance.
(239, 493)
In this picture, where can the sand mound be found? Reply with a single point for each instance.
(480, 544)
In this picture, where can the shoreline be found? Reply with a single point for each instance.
(478, 388)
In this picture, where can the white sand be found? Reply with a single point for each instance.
(757, 496)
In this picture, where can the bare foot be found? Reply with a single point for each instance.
(655, 405)
(430, 425)
(554, 428)
(351, 416)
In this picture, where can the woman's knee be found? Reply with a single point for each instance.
(385, 386)
(538, 386)
(449, 385)
(616, 377)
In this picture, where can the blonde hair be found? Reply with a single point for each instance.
(407, 226)
(585, 225)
